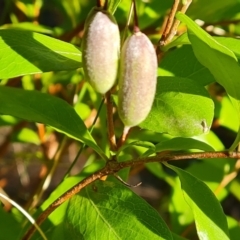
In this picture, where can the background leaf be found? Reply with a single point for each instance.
(109, 210)
(181, 62)
(210, 220)
(25, 52)
(180, 108)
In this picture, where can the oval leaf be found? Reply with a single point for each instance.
(109, 210)
(220, 61)
(180, 143)
(181, 108)
(25, 52)
(43, 108)
(210, 220)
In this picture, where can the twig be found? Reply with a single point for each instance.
(171, 27)
(25, 213)
(84, 145)
(229, 177)
(169, 24)
(125, 183)
(135, 24)
(110, 125)
(44, 184)
(113, 167)
(177, 22)
(123, 138)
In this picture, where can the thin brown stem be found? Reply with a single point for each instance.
(123, 138)
(177, 22)
(111, 134)
(135, 24)
(99, 3)
(105, 6)
(169, 24)
(170, 29)
(113, 167)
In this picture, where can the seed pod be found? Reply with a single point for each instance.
(137, 80)
(100, 50)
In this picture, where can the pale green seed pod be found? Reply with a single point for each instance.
(137, 80)
(101, 50)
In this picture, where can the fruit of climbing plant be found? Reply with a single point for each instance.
(137, 80)
(101, 50)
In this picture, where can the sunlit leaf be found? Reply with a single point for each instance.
(209, 217)
(181, 108)
(220, 61)
(25, 52)
(109, 210)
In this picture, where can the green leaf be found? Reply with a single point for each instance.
(26, 135)
(144, 144)
(180, 143)
(210, 220)
(220, 61)
(9, 227)
(177, 237)
(112, 6)
(180, 40)
(24, 52)
(234, 228)
(181, 62)
(28, 26)
(44, 108)
(231, 43)
(109, 210)
(181, 108)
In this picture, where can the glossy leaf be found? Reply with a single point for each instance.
(220, 61)
(179, 143)
(209, 217)
(25, 52)
(181, 108)
(109, 210)
(44, 108)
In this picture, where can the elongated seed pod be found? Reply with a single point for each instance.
(137, 80)
(101, 50)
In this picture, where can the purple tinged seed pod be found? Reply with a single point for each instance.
(137, 80)
(101, 50)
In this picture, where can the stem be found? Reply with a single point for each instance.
(99, 3)
(135, 24)
(46, 181)
(123, 137)
(177, 22)
(105, 6)
(169, 24)
(229, 177)
(113, 167)
(171, 27)
(84, 145)
(110, 125)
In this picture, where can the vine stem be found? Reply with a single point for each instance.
(112, 167)
(110, 125)
(172, 24)
(135, 25)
